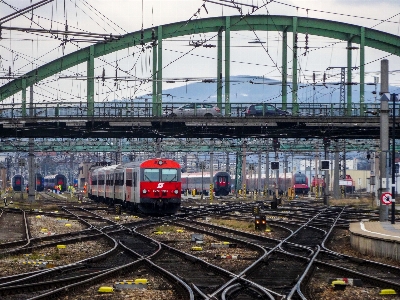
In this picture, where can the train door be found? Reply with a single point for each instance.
(101, 185)
(136, 190)
(222, 181)
(119, 184)
(38, 183)
(61, 183)
(129, 185)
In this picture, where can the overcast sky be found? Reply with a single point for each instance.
(22, 52)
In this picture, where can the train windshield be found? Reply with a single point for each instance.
(169, 175)
(151, 175)
(300, 179)
(163, 175)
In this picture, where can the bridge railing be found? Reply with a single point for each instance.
(145, 109)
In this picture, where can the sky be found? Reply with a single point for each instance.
(21, 52)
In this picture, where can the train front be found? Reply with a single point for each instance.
(160, 187)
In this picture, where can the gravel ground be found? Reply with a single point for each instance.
(41, 225)
(324, 291)
(159, 288)
(121, 219)
(51, 256)
(156, 288)
(180, 238)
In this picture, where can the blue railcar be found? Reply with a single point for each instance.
(57, 181)
(18, 183)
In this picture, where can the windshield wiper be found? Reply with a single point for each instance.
(173, 179)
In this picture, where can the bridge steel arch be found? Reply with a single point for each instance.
(153, 37)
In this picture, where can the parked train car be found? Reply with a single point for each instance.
(199, 181)
(300, 184)
(222, 183)
(318, 182)
(297, 181)
(51, 181)
(196, 181)
(18, 183)
(152, 186)
(101, 183)
(39, 182)
(348, 183)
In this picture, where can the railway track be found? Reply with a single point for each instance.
(274, 266)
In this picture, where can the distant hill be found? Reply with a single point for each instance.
(249, 89)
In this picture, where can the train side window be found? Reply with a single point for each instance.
(135, 179)
(128, 179)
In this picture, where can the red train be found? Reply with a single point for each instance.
(152, 186)
(347, 184)
(297, 181)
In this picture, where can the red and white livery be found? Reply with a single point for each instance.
(152, 186)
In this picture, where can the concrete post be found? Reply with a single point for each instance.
(384, 135)
(31, 157)
(267, 171)
(336, 189)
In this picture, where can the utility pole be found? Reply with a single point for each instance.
(394, 98)
(384, 134)
(267, 170)
(31, 156)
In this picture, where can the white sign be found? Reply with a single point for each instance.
(345, 182)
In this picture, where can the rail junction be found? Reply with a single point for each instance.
(203, 252)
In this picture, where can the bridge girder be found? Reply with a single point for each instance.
(356, 34)
(178, 145)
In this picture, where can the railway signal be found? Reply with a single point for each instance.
(325, 165)
(326, 142)
(256, 210)
(260, 223)
(274, 165)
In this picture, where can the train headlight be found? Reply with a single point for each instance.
(176, 192)
(144, 191)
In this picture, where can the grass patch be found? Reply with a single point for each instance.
(166, 228)
(364, 202)
(236, 224)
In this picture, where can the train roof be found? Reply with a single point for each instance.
(151, 163)
(159, 162)
(53, 176)
(103, 169)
